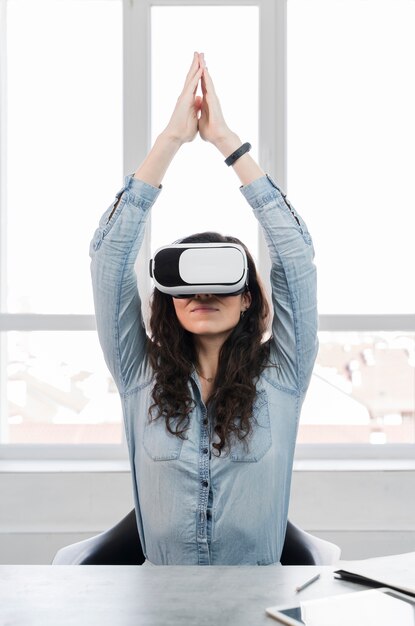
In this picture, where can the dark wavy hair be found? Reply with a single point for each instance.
(242, 357)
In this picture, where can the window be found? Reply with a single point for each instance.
(61, 134)
(201, 193)
(324, 95)
(351, 138)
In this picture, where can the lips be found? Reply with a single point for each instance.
(204, 308)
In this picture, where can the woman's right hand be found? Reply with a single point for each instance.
(183, 124)
(212, 125)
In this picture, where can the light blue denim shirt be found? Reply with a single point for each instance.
(192, 507)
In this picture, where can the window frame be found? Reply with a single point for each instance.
(136, 143)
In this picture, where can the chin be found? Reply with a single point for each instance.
(210, 330)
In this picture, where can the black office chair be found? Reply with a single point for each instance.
(120, 545)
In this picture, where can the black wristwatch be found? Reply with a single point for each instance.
(238, 153)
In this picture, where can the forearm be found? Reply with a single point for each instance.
(154, 166)
(245, 167)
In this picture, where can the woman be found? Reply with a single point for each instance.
(210, 409)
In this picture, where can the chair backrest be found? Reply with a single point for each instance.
(120, 545)
(301, 548)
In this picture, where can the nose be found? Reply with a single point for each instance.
(203, 296)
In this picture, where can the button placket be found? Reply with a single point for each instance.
(287, 202)
(203, 549)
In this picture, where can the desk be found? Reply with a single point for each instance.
(101, 595)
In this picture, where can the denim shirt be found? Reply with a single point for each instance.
(192, 507)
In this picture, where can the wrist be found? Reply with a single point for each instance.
(169, 139)
(228, 144)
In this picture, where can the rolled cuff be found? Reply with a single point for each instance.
(136, 187)
(261, 191)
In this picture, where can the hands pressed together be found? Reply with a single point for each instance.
(193, 114)
(196, 114)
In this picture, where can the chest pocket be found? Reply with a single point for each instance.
(260, 439)
(159, 444)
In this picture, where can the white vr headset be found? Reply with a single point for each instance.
(185, 269)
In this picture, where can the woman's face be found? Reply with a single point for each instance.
(208, 314)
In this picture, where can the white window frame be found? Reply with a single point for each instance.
(137, 136)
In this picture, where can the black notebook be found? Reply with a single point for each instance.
(396, 571)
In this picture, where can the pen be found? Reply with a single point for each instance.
(304, 585)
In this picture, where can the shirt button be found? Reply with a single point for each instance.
(205, 450)
(205, 483)
(205, 421)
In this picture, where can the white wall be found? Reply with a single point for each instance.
(367, 511)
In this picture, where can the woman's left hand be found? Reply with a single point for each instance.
(183, 124)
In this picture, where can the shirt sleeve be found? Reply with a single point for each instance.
(293, 283)
(113, 251)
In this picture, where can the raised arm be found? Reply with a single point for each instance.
(182, 128)
(117, 241)
(213, 128)
(293, 283)
(293, 274)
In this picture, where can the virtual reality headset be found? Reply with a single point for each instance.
(185, 269)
